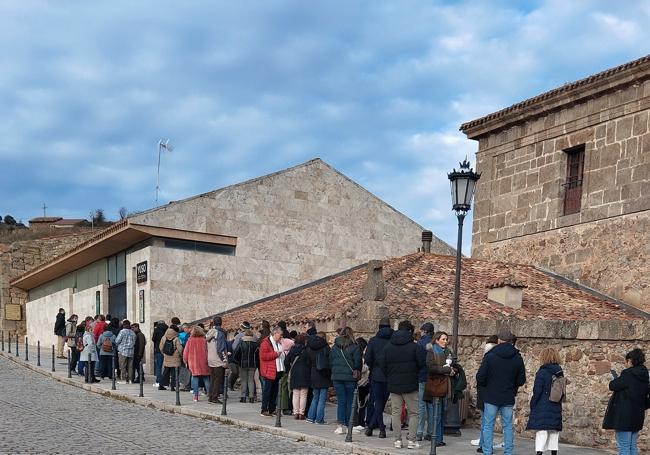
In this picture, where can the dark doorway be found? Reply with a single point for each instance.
(117, 301)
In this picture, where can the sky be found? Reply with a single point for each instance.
(375, 88)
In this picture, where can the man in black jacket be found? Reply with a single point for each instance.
(59, 331)
(378, 391)
(401, 362)
(158, 332)
(500, 375)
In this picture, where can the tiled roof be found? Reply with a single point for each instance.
(421, 285)
(69, 222)
(45, 219)
(564, 89)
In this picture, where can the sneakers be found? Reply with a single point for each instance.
(339, 430)
(474, 442)
(265, 414)
(359, 428)
(500, 445)
(413, 445)
(121, 382)
(195, 398)
(309, 420)
(155, 384)
(398, 444)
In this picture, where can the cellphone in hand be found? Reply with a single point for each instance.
(614, 374)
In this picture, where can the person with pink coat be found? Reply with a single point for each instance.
(195, 356)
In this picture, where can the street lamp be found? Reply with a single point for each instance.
(463, 183)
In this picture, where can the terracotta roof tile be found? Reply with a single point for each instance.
(421, 285)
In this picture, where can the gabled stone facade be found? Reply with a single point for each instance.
(520, 211)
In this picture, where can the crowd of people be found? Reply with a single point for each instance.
(294, 373)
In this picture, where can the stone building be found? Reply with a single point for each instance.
(220, 249)
(591, 331)
(565, 182)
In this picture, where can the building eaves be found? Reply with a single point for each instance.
(571, 92)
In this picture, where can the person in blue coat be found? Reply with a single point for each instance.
(546, 415)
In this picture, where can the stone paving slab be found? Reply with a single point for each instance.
(246, 415)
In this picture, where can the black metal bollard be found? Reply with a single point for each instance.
(69, 364)
(3, 341)
(278, 410)
(17, 354)
(26, 349)
(226, 377)
(434, 436)
(178, 386)
(88, 367)
(113, 373)
(9, 351)
(53, 367)
(38, 353)
(354, 414)
(141, 376)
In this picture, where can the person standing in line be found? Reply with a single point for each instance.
(70, 330)
(59, 331)
(106, 343)
(138, 352)
(363, 386)
(501, 373)
(631, 398)
(285, 391)
(125, 342)
(425, 408)
(401, 361)
(217, 359)
(545, 415)
(99, 327)
(318, 355)
(439, 346)
(195, 356)
(172, 351)
(299, 372)
(345, 361)
(378, 388)
(89, 353)
(245, 356)
(489, 344)
(244, 326)
(271, 369)
(159, 330)
(78, 347)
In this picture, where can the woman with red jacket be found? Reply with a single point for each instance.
(271, 369)
(195, 356)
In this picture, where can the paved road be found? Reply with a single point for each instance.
(41, 416)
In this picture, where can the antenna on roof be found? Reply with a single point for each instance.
(162, 145)
(44, 208)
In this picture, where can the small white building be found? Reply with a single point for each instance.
(221, 249)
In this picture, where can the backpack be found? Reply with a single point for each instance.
(558, 389)
(107, 345)
(168, 347)
(322, 361)
(79, 342)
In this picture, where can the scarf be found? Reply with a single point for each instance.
(277, 347)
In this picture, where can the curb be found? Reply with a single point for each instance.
(347, 447)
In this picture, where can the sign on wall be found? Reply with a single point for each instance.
(98, 302)
(141, 305)
(13, 312)
(141, 272)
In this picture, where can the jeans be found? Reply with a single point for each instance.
(270, 393)
(195, 383)
(379, 393)
(490, 412)
(425, 413)
(626, 442)
(344, 394)
(157, 365)
(440, 422)
(247, 378)
(317, 408)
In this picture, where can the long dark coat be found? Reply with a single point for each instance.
(626, 408)
(544, 413)
(318, 379)
(300, 370)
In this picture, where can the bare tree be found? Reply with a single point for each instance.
(123, 212)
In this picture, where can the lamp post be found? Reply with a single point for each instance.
(463, 183)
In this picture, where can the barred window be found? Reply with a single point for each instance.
(574, 176)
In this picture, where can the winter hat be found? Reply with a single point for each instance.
(245, 325)
(505, 335)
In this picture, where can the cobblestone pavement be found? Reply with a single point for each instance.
(41, 416)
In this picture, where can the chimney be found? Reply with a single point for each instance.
(427, 237)
(508, 292)
(374, 288)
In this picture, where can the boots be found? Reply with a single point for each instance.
(251, 400)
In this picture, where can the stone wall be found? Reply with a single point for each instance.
(22, 255)
(518, 213)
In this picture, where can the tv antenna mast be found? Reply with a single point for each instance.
(162, 145)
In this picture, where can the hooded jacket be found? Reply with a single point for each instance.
(375, 350)
(422, 342)
(501, 373)
(544, 413)
(318, 379)
(174, 360)
(104, 336)
(401, 361)
(344, 359)
(59, 325)
(158, 334)
(217, 356)
(626, 408)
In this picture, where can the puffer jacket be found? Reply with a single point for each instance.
(176, 359)
(501, 373)
(245, 354)
(374, 353)
(89, 348)
(402, 360)
(268, 356)
(626, 408)
(317, 379)
(216, 348)
(106, 335)
(344, 359)
(544, 413)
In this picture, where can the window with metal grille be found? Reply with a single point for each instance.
(574, 173)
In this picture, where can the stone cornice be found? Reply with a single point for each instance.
(592, 86)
